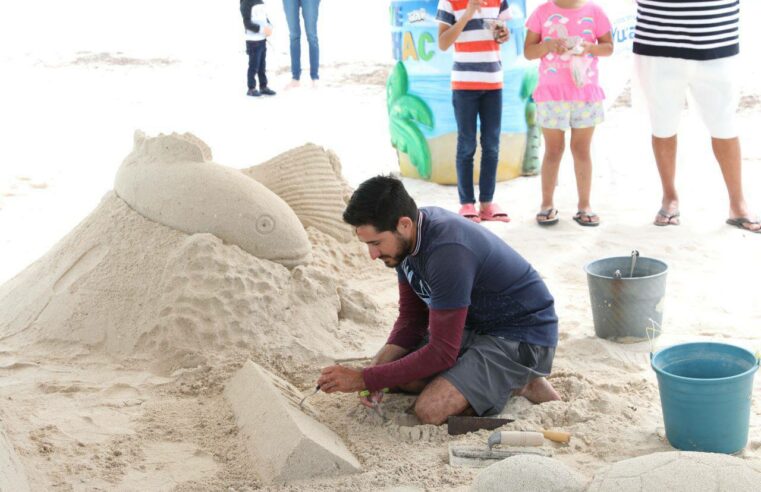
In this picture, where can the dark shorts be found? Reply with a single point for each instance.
(489, 368)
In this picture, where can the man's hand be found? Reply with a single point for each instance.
(267, 31)
(341, 379)
(473, 7)
(556, 46)
(372, 400)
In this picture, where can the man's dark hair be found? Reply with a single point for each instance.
(380, 202)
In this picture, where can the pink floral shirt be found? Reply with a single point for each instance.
(569, 77)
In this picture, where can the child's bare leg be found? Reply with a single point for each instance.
(581, 143)
(554, 145)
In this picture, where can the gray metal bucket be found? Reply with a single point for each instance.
(623, 308)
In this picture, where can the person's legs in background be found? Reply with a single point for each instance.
(715, 92)
(554, 146)
(310, 10)
(664, 83)
(664, 150)
(255, 51)
(581, 149)
(490, 114)
(262, 73)
(465, 104)
(291, 8)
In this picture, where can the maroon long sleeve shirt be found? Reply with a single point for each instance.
(444, 327)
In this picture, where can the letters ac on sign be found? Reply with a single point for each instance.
(421, 51)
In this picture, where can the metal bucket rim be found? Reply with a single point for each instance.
(595, 275)
(661, 372)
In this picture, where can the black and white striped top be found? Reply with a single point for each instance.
(689, 29)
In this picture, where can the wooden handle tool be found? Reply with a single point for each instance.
(527, 438)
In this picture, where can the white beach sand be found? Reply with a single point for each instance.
(118, 334)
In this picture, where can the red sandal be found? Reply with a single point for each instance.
(468, 210)
(491, 211)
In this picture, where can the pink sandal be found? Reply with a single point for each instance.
(493, 212)
(468, 210)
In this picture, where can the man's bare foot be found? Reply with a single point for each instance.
(293, 84)
(315, 84)
(538, 390)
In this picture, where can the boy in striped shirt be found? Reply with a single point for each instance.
(476, 94)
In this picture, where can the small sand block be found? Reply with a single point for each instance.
(284, 443)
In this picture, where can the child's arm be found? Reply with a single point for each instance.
(448, 34)
(604, 46)
(535, 48)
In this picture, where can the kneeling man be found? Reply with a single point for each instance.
(476, 322)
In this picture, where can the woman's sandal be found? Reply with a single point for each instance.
(543, 218)
(492, 211)
(468, 210)
(585, 219)
(743, 222)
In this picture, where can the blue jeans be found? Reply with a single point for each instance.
(257, 63)
(309, 10)
(469, 107)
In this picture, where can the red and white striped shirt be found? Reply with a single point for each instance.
(477, 64)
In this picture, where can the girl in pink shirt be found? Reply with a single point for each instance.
(568, 36)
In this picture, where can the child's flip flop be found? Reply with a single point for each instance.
(580, 219)
(547, 220)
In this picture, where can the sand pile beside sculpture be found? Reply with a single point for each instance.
(188, 259)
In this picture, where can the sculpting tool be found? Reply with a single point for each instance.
(301, 403)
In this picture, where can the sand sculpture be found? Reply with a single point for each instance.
(679, 471)
(152, 278)
(171, 179)
(178, 269)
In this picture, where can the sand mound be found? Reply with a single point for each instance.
(528, 472)
(122, 284)
(679, 471)
(170, 179)
(12, 473)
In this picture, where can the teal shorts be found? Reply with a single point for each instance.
(562, 115)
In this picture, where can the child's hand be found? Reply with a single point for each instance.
(267, 31)
(502, 35)
(473, 7)
(556, 46)
(587, 47)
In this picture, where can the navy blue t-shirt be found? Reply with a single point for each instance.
(457, 264)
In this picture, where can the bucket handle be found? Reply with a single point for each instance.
(654, 329)
(758, 357)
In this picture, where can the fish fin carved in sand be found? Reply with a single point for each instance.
(175, 147)
(308, 179)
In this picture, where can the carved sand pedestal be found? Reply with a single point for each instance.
(284, 443)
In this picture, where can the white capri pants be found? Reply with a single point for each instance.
(711, 82)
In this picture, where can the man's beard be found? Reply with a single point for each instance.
(403, 248)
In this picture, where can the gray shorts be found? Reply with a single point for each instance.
(489, 368)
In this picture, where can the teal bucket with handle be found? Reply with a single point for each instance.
(706, 390)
